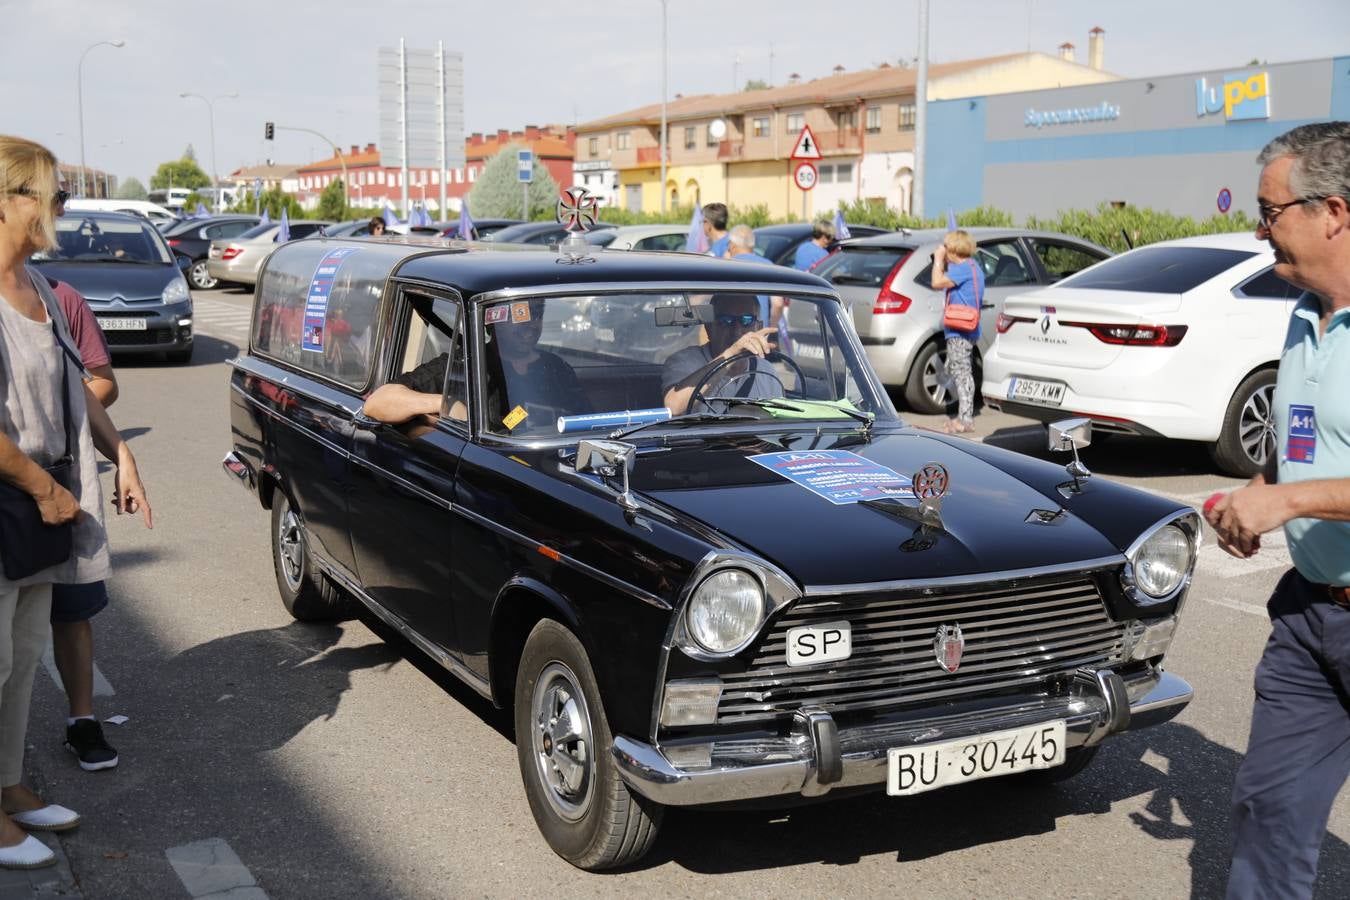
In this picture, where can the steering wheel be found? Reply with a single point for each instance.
(772, 356)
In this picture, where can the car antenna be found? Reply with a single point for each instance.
(1126, 235)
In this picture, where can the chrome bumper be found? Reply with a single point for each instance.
(818, 756)
(237, 470)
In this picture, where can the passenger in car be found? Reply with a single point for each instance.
(735, 329)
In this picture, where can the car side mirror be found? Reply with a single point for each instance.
(1069, 435)
(609, 460)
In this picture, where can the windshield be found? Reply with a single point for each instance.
(563, 367)
(861, 265)
(89, 239)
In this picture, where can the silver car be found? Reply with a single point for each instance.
(238, 260)
(886, 281)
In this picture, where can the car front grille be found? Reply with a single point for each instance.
(139, 338)
(1014, 636)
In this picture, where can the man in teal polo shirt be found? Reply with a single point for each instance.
(1298, 755)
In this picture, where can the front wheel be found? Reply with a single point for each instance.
(1247, 439)
(306, 594)
(580, 803)
(200, 277)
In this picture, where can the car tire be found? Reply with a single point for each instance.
(179, 357)
(922, 392)
(1247, 438)
(1075, 761)
(200, 278)
(306, 594)
(581, 805)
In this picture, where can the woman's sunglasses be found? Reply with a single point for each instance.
(58, 199)
(745, 321)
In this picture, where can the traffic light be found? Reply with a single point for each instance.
(269, 131)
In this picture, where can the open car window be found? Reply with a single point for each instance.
(559, 368)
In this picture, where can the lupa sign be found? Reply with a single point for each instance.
(1239, 97)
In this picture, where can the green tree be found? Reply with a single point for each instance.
(333, 201)
(179, 173)
(756, 84)
(498, 193)
(131, 189)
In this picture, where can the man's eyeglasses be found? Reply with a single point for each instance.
(1268, 213)
(58, 199)
(745, 321)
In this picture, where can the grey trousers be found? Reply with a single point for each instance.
(24, 623)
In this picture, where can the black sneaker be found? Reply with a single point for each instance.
(85, 740)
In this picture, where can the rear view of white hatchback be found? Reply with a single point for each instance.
(1179, 339)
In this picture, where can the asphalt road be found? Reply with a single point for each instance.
(284, 760)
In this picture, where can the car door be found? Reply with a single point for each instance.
(1007, 271)
(403, 475)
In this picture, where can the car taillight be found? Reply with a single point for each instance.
(1006, 321)
(1133, 335)
(888, 301)
(174, 242)
(231, 252)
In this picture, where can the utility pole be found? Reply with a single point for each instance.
(921, 115)
(440, 102)
(664, 137)
(403, 118)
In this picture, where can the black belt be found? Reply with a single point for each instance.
(1337, 594)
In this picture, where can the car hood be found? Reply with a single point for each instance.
(1001, 511)
(100, 283)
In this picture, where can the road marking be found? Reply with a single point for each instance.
(216, 317)
(210, 868)
(101, 686)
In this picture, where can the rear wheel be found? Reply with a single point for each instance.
(1247, 439)
(582, 806)
(200, 277)
(306, 594)
(923, 392)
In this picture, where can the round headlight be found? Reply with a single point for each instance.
(1162, 562)
(725, 610)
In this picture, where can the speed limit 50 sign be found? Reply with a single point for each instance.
(805, 176)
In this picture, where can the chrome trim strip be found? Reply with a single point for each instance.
(570, 562)
(446, 661)
(647, 287)
(1081, 567)
(319, 438)
(1188, 521)
(296, 382)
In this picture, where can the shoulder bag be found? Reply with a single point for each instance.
(27, 544)
(958, 316)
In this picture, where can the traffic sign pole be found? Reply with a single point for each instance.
(525, 174)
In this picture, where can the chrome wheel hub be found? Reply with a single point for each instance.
(936, 364)
(564, 751)
(1256, 425)
(291, 549)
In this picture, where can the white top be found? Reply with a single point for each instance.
(31, 416)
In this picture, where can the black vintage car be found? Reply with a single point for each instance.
(781, 592)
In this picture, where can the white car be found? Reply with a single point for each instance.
(1179, 339)
(640, 237)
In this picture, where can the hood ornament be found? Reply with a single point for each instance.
(948, 646)
(577, 211)
(929, 485)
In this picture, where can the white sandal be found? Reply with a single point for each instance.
(28, 854)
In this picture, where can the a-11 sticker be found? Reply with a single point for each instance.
(1301, 445)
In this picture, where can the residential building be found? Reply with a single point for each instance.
(736, 147)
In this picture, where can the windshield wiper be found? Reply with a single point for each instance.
(698, 419)
(867, 419)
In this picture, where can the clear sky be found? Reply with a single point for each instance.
(313, 64)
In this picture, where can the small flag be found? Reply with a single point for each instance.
(696, 241)
(284, 232)
(951, 220)
(841, 232)
(466, 228)
(201, 212)
(389, 217)
(266, 219)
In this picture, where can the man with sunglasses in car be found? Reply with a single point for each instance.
(736, 329)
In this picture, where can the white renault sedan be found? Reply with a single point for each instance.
(1179, 339)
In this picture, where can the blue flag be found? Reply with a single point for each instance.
(951, 220)
(389, 217)
(284, 232)
(696, 241)
(841, 232)
(266, 219)
(424, 217)
(201, 212)
(466, 228)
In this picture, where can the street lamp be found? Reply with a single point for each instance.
(211, 115)
(79, 97)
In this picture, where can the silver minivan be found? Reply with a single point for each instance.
(886, 281)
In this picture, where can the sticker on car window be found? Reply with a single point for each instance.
(514, 417)
(520, 312)
(316, 304)
(495, 315)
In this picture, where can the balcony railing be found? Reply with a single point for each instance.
(843, 139)
(731, 149)
(650, 156)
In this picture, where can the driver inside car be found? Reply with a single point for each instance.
(736, 329)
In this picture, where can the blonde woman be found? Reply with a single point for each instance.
(46, 411)
(956, 272)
